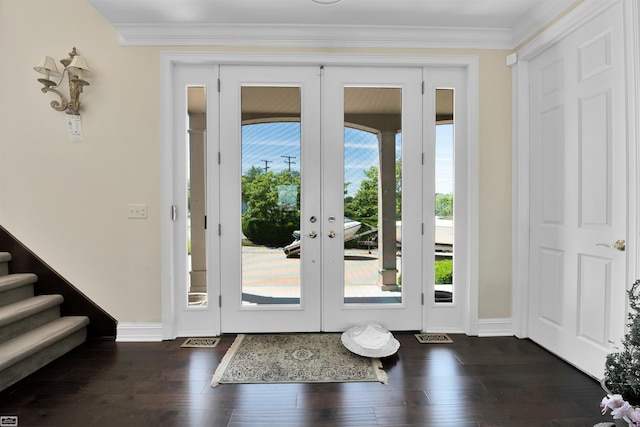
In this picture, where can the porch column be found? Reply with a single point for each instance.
(387, 266)
(197, 132)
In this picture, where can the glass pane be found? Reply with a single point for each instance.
(196, 196)
(271, 144)
(444, 167)
(373, 195)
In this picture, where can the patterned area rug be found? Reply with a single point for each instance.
(297, 358)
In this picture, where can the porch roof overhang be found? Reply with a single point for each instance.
(368, 107)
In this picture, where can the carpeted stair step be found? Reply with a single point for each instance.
(28, 314)
(5, 257)
(16, 287)
(32, 350)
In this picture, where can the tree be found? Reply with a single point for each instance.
(364, 205)
(622, 366)
(444, 205)
(272, 202)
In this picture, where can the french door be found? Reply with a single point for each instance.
(270, 112)
(320, 198)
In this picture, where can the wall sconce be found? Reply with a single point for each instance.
(75, 66)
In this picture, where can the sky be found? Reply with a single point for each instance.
(276, 146)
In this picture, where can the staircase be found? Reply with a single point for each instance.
(32, 332)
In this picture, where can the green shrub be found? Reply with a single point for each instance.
(444, 272)
(270, 233)
(271, 206)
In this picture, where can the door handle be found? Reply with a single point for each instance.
(313, 234)
(331, 234)
(618, 244)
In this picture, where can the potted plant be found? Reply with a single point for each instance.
(622, 370)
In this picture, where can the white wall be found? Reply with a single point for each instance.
(68, 200)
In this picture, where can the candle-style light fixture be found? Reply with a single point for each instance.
(76, 67)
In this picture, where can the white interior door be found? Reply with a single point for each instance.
(578, 194)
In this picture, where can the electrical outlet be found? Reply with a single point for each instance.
(137, 211)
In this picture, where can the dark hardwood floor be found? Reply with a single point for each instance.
(472, 382)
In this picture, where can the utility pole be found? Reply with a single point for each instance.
(288, 161)
(266, 165)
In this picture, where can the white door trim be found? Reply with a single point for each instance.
(169, 60)
(521, 143)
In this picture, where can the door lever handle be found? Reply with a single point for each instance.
(618, 244)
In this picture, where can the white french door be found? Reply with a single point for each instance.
(299, 152)
(262, 289)
(389, 102)
(301, 197)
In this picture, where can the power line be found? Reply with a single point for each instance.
(288, 161)
(266, 165)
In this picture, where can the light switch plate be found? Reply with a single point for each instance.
(137, 211)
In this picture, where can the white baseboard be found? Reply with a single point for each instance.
(495, 327)
(139, 332)
(152, 332)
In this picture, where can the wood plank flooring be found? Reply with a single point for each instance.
(486, 382)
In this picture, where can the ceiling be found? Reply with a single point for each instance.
(402, 23)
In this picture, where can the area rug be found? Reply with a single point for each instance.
(201, 342)
(295, 358)
(433, 338)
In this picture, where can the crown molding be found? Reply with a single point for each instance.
(537, 18)
(312, 36)
(587, 10)
(140, 24)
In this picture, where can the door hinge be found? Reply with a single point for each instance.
(174, 212)
(219, 300)
(218, 85)
(423, 87)
(423, 298)
(205, 222)
(422, 227)
(219, 156)
(219, 229)
(423, 158)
